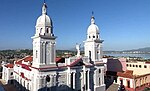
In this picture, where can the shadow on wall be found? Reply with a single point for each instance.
(57, 88)
(114, 66)
(13, 85)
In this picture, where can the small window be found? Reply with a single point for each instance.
(99, 70)
(40, 30)
(89, 37)
(130, 65)
(145, 66)
(136, 65)
(128, 83)
(93, 36)
(127, 65)
(47, 30)
(133, 65)
(47, 78)
(140, 66)
(97, 36)
(99, 81)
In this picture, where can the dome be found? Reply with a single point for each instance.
(43, 19)
(93, 29)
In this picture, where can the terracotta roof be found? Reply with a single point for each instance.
(28, 59)
(9, 65)
(75, 62)
(60, 60)
(18, 61)
(126, 74)
(147, 62)
(25, 67)
(25, 59)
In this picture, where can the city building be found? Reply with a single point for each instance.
(136, 77)
(44, 72)
(132, 75)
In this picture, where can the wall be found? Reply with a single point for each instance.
(138, 68)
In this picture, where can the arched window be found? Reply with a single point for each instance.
(11, 73)
(47, 78)
(47, 30)
(99, 70)
(41, 30)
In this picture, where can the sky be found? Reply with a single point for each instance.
(123, 24)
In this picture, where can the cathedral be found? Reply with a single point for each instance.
(45, 72)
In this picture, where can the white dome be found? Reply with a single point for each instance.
(93, 29)
(43, 19)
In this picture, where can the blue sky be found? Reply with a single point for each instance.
(124, 24)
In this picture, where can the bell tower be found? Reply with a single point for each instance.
(93, 43)
(44, 41)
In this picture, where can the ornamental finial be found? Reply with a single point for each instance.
(92, 18)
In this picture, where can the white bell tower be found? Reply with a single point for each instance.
(93, 44)
(44, 41)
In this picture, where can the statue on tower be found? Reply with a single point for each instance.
(78, 49)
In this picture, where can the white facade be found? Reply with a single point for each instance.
(41, 72)
(7, 72)
(44, 41)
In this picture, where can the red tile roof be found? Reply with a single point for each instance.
(25, 59)
(9, 65)
(28, 59)
(26, 67)
(126, 74)
(58, 59)
(75, 62)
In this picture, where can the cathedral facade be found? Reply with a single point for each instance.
(44, 72)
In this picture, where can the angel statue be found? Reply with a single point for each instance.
(78, 49)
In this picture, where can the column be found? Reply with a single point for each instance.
(74, 78)
(88, 80)
(54, 80)
(82, 81)
(69, 79)
(84, 77)
(43, 53)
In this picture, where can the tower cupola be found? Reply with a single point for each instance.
(44, 25)
(44, 51)
(93, 30)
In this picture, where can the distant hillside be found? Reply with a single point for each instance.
(140, 50)
(146, 49)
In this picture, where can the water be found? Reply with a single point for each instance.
(144, 56)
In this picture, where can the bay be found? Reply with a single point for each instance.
(144, 56)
